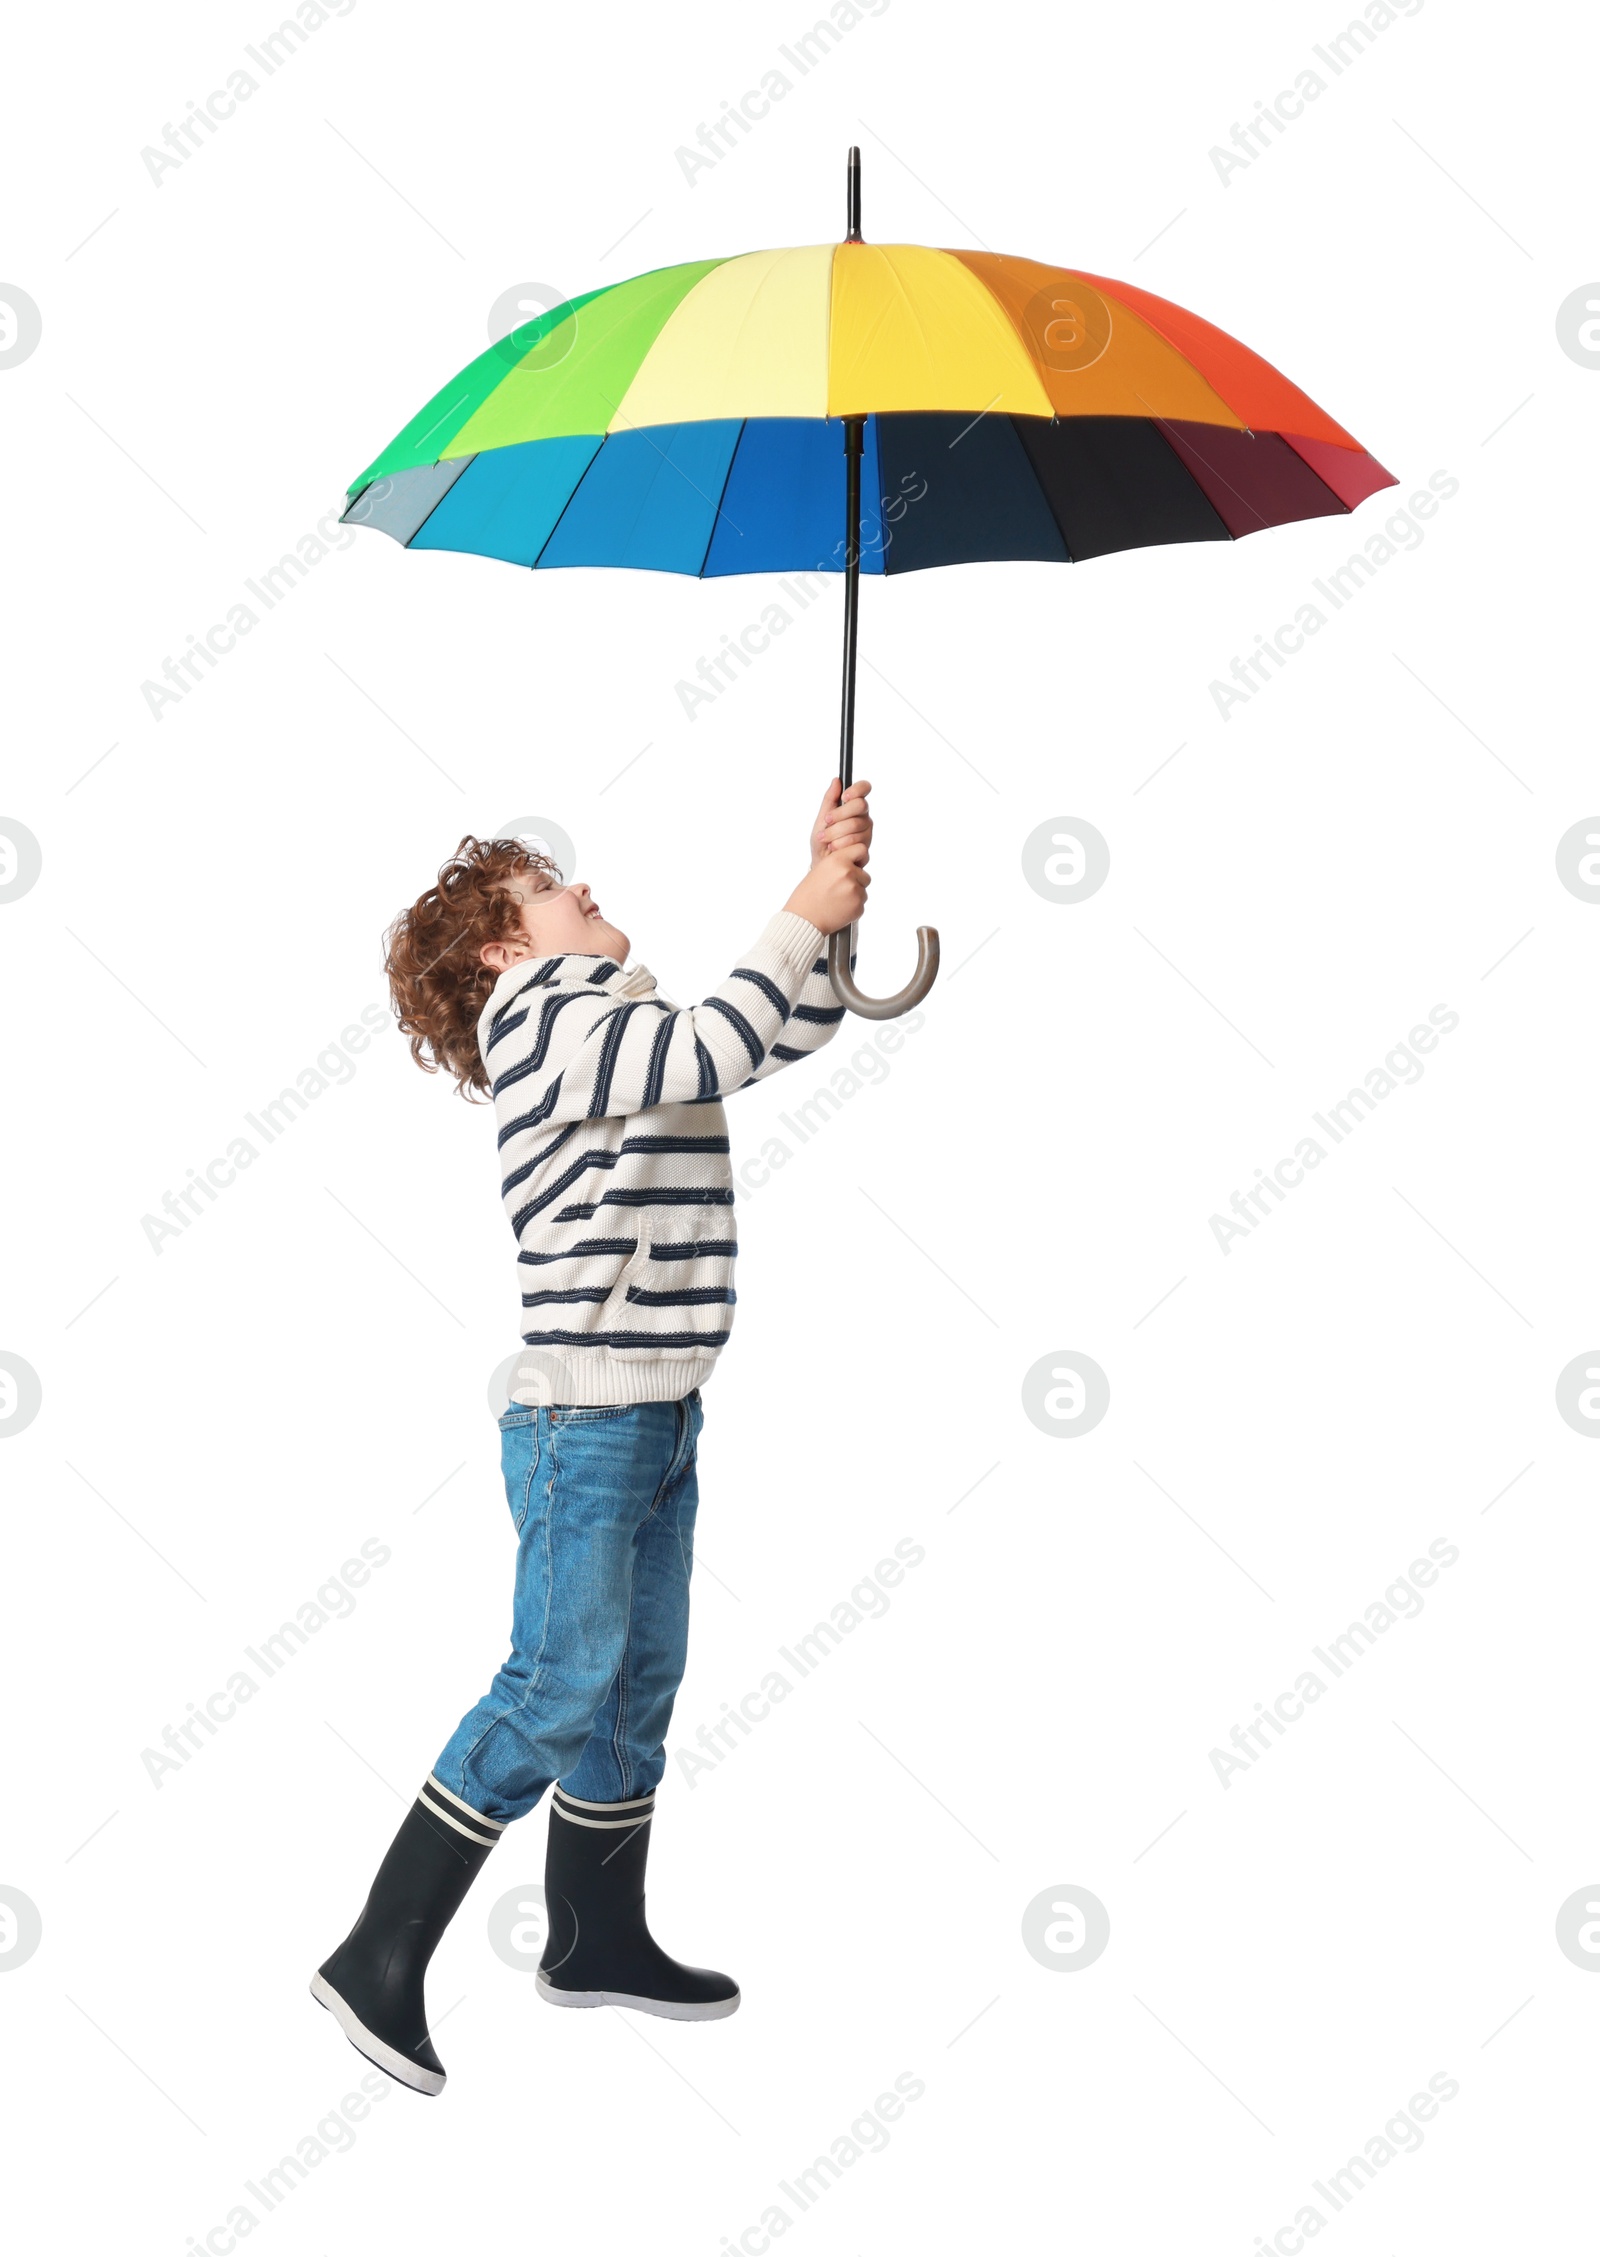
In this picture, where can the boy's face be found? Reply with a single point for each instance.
(555, 920)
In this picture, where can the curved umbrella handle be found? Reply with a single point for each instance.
(887, 1006)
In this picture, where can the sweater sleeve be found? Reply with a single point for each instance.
(813, 1022)
(576, 1057)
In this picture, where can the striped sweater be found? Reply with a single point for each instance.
(613, 1150)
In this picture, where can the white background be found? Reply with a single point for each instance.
(1373, 1902)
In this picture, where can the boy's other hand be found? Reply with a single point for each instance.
(833, 892)
(841, 821)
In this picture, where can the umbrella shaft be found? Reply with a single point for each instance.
(854, 429)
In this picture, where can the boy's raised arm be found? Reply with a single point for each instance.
(815, 1020)
(582, 1057)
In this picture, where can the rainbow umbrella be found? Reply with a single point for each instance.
(730, 414)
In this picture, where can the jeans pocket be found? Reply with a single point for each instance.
(519, 1462)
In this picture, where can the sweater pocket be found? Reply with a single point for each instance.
(615, 1303)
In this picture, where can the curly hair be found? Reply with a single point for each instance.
(437, 981)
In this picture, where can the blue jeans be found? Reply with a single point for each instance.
(604, 1502)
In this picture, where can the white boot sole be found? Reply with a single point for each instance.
(398, 2065)
(670, 2010)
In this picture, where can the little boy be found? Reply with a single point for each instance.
(613, 1147)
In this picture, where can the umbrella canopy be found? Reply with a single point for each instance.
(941, 407)
(680, 422)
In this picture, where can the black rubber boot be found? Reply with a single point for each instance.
(373, 1984)
(599, 1951)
